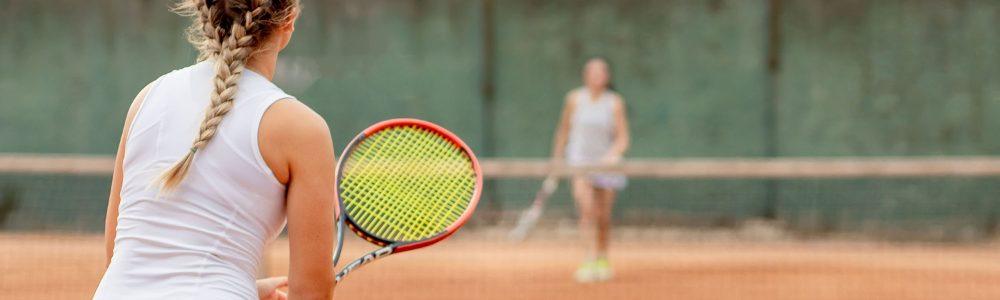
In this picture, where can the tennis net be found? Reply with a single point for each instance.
(68, 193)
(52, 206)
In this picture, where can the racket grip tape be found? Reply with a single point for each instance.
(364, 260)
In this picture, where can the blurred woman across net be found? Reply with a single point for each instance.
(593, 130)
(213, 160)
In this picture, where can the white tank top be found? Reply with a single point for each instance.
(205, 239)
(592, 127)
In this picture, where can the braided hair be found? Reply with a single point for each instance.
(228, 32)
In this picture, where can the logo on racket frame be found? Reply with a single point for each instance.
(364, 260)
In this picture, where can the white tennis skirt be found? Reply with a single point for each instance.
(611, 181)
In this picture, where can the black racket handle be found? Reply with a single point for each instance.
(340, 239)
(364, 260)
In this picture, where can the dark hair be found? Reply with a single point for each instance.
(611, 83)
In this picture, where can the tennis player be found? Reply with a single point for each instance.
(213, 158)
(593, 130)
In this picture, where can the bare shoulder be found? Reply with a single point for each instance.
(616, 96)
(140, 97)
(616, 100)
(291, 132)
(294, 119)
(573, 94)
(133, 108)
(571, 97)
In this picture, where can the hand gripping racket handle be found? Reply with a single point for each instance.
(364, 260)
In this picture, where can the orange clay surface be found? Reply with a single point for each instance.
(469, 267)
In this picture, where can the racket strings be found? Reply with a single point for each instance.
(368, 214)
(406, 183)
(407, 206)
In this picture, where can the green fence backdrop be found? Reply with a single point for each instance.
(702, 78)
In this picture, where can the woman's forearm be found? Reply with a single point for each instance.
(619, 147)
(558, 146)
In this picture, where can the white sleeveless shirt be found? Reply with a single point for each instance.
(205, 239)
(592, 127)
(592, 134)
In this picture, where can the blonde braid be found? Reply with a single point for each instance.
(210, 43)
(231, 55)
(202, 33)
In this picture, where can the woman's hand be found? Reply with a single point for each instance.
(268, 288)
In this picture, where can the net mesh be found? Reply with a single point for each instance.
(692, 223)
(406, 183)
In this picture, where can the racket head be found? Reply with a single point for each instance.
(530, 216)
(550, 185)
(408, 183)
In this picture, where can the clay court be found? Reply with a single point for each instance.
(471, 267)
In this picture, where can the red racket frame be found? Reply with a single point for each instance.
(391, 247)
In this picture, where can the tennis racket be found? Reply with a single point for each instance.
(530, 216)
(404, 184)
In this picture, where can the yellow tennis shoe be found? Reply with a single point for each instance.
(602, 270)
(585, 273)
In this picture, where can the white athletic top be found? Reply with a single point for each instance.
(592, 134)
(592, 127)
(205, 239)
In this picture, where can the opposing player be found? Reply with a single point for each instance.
(593, 130)
(212, 159)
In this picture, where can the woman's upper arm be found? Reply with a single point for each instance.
(567, 111)
(562, 129)
(296, 144)
(621, 123)
(114, 197)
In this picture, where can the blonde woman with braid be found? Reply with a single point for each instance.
(213, 160)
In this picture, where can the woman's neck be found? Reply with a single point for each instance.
(596, 92)
(264, 63)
